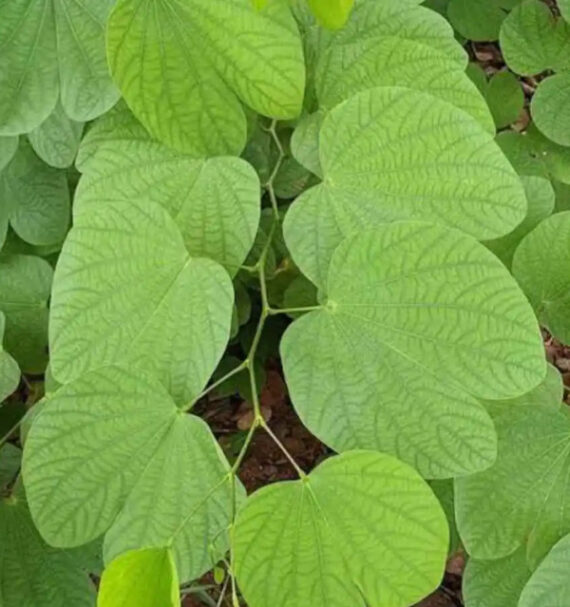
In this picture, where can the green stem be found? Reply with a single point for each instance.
(274, 311)
(241, 367)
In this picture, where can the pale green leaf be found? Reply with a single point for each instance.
(35, 197)
(185, 67)
(540, 197)
(564, 8)
(548, 393)
(56, 140)
(140, 578)
(331, 13)
(25, 284)
(533, 40)
(9, 370)
(305, 142)
(554, 158)
(419, 318)
(525, 493)
(541, 265)
(549, 585)
(350, 532)
(119, 452)
(480, 20)
(397, 44)
(31, 572)
(550, 107)
(215, 202)
(395, 153)
(127, 291)
(496, 583)
(51, 49)
(8, 147)
(520, 150)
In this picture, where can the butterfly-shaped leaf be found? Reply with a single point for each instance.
(185, 67)
(119, 452)
(394, 153)
(214, 202)
(52, 49)
(420, 318)
(348, 534)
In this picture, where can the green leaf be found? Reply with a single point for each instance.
(10, 461)
(25, 284)
(35, 198)
(331, 13)
(443, 490)
(549, 393)
(554, 158)
(520, 151)
(541, 265)
(397, 43)
(419, 318)
(127, 291)
(9, 370)
(549, 584)
(550, 108)
(56, 140)
(140, 578)
(479, 21)
(496, 583)
(533, 40)
(215, 202)
(121, 455)
(305, 142)
(564, 8)
(33, 573)
(351, 531)
(211, 56)
(540, 197)
(51, 49)
(525, 494)
(505, 98)
(395, 153)
(8, 147)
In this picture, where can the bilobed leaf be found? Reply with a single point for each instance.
(550, 107)
(477, 21)
(140, 578)
(214, 201)
(540, 197)
(119, 452)
(51, 49)
(127, 291)
(56, 140)
(525, 494)
(31, 572)
(533, 40)
(211, 55)
(541, 265)
(331, 13)
(419, 319)
(396, 43)
(394, 153)
(35, 197)
(25, 284)
(549, 584)
(9, 370)
(497, 582)
(350, 532)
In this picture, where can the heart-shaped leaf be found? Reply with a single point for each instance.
(348, 533)
(211, 56)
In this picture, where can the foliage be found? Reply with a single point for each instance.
(189, 188)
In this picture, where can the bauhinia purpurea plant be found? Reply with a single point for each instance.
(176, 176)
